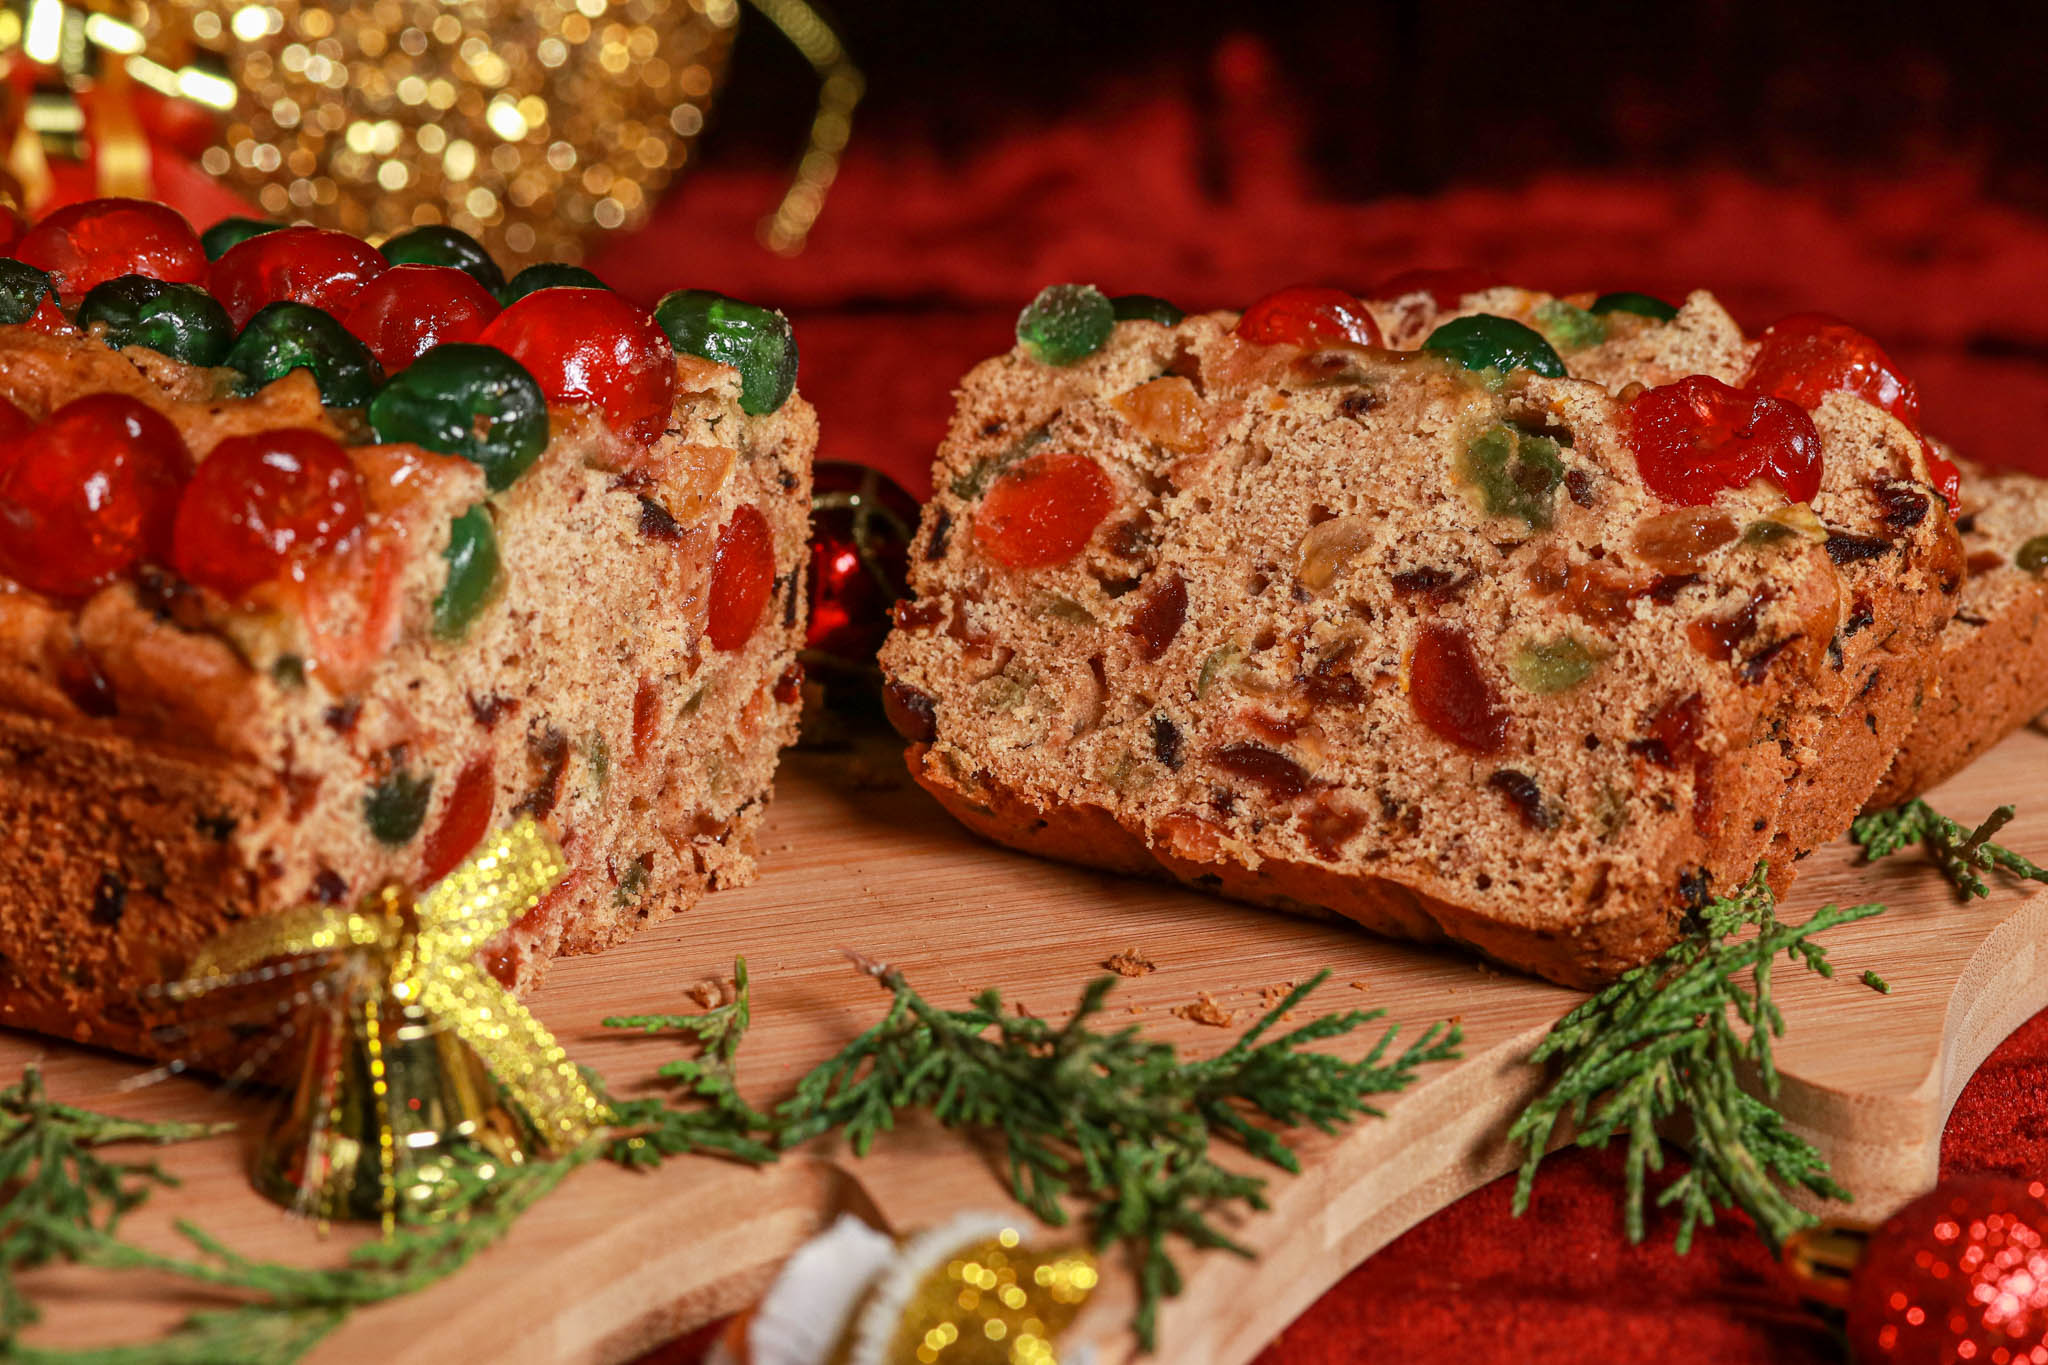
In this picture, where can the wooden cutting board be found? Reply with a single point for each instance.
(855, 857)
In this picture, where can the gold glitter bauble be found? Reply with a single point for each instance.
(529, 126)
(993, 1301)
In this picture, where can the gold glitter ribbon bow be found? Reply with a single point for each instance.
(420, 961)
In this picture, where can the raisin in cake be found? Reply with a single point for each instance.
(1430, 638)
(1884, 525)
(373, 570)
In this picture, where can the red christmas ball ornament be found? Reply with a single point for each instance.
(861, 525)
(1960, 1274)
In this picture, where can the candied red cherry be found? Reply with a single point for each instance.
(1806, 357)
(1043, 511)
(1308, 315)
(11, 228)
(1450, 695)
(742, 579)
(13, 421)
(465, 820)
(1697, 437)
(1946, 476)
(88, 494)
(591, 346)
(266, 504)
(301, 265)
(410, 309)
(1447, 287)
(82, 245)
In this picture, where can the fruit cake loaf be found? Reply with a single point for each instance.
(1994, 656)
(1427, 638)
(296, 649)
(1897, 550)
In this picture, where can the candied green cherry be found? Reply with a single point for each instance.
(1066, 323)
(547, 275)
(754, 340)
(1568, 326)
(473, 565)
(1486, 342)
(467, 400)
(437, 244)
(1145, 308)
(1550, 666)
(2033, 556)
(181, 321)
(1516, 474)
(23, 290)
(396, 807)
(230, 232)
(287, 336)
(1629, 301)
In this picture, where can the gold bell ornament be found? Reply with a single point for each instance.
(417, 1068)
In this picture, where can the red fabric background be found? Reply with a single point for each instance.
(916, 271)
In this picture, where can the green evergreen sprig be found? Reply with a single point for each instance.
(1118, 1123)
(1673, 1038)
(1962, 854)
(651, 1129)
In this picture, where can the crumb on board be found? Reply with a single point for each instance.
(1131, 962)
(1205, 1010)
(1361, 986)
(1269, 996)
(1137, 1009)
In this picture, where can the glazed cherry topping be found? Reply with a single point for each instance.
(82, 245)
(1697, 437)
(265, 504)
(591, 346)
(1806, 357)
(742, 579)
(302, 264)
(88, 494)
(1447, 287)
(11, 228)
(1946, 477)
(13, 421)
(1449, 693)
(464, 821)
(410, 309)
(1308, 315)
(1043, 511)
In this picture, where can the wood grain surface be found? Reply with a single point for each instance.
(855, 857)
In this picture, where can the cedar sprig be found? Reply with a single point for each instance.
(1109, 1119)
(650, 1129)
(1673, 1038)
(54, 1180)
(1962, 854)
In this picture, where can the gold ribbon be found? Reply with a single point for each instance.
(425, 953)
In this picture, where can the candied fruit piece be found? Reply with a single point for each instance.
(85, 244)
(464, 822)
(2033, 556)
(1807, 356)
(467, 400)
(1308, 315)
(181, 321)
(913, 713)
(1218, 667)
(287, 336)
(1043, 511)
(1329, 826)
(1629, 301)
(1450, 695)
(754, 340)
(1546, 667)
(1717, 636)
(473, 569)
(263, 504)
(1525, 796)
(1516, 474)
(1329, 548)
(1145, 308)
(314, 266)
(1166, 411)
(89, 494)
(1274, 773)
(591, 346)
(1158, 617)
(1697, 437)
(396, 807)
(1569, 326)
(410, 309)
(1679, 542)
(1066, 323)
(1486, 342)
(435, 244)
(742, 579)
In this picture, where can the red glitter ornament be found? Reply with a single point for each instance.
(1957, 1277)
(861, 524)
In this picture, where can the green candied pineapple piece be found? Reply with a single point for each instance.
(1517, 474)
(1546, 667)
(473, 561)
(631, 883)
(397, 807)
(1145, 308)
(1629, 301)
(287, 336)
(1001, 693)
(1066, 323)
(1217, 667)
(2033, 556)
(1484, 342)
(1068, 610)
(1569, 327)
